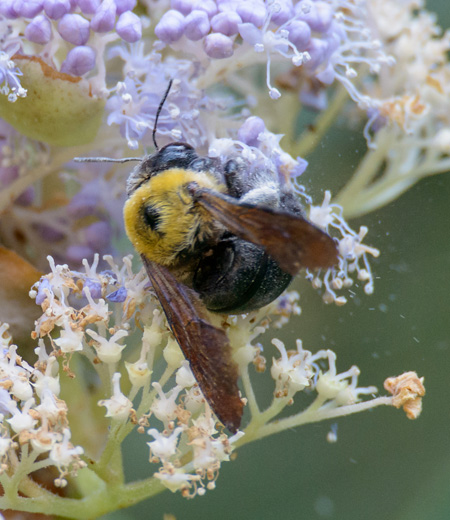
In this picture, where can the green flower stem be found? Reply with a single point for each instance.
(22, 469)
(249, 393)
(32, 489)
(101, 500)
(310, 415)
(310, 138)
(110, 465)
(378, 195)
(441, 166)
(91, 431)
(259, 420)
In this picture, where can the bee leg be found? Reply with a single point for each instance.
(289, 202)
(234, 178)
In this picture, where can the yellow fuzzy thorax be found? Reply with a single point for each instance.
(180, 221)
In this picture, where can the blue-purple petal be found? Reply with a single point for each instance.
(79, 60)
(196, 25)
(171, 26)
(118, 296)
(226, 23)
(129, 27)
(94, 286)
(39, 30)
(218, 46)
(27, 8)
(56, 9)
(124, 5)
(74, 29)
(104, 18)
(252, 12)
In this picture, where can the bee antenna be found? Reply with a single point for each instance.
(106, 159)
(163, 100)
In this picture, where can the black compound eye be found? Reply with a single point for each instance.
(152, 217)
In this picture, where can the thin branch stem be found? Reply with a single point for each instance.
(310, 416)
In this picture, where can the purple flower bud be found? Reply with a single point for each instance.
(226, 23)
(285, 12)
(55, 9)
(299, 34)
(171, 26)
(98, 235)
(89, 6)
(124, 5)
(95, 288)
(183, 6)
(74, 29)
(27, 8)
(208, 6)
(129, 27)
(105, 17)
(252, 12)
(76, 254)
(79, 60)
(196, 25)
(218, 46)
(7, 9)
(39, 30)
(228, 5)
(318, 17)
(250, 130)
(118, 296)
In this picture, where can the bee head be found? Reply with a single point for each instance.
(162, 220)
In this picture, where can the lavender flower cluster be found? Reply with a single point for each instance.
(218, 24)
(78, 23)
(316, 35)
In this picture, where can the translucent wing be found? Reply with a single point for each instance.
(205, 347)
(291, 240)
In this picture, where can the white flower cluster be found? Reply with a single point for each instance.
(33, 419)
(408, 129)
(186, 441)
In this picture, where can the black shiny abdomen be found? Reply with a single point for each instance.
(236, 277)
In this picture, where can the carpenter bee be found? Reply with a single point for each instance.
(221, 237)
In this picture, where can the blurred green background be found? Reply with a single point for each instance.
(383, 466)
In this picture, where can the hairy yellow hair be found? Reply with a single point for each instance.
(180, 222)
